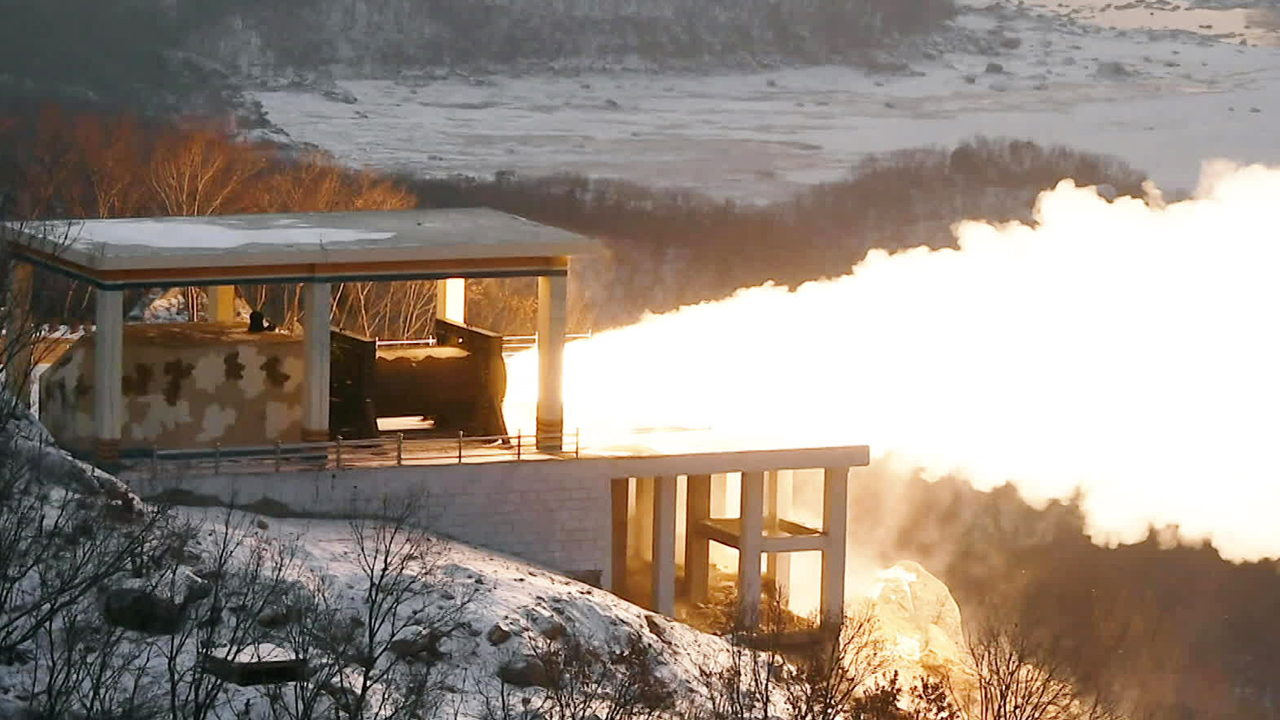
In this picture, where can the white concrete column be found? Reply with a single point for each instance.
(664, 545)
(552, 317)
(697, 547)
(720, 495)
(835, 521)
(451, 300)
(620, 496)
(317, 299)
(750, 544)
(20, 338)
(777, 505)
(221, 307)
(108, 396)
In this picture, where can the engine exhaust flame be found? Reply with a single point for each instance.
(1128, 349)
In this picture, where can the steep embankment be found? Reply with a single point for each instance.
(111, 607)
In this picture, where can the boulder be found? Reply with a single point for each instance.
(1112, 70)
(545, 624)
(416, 642)
(525, 671)
(142, 610)
(919, 619)
(552, 629)
(497, 635)
(188, 588)
(657, 626)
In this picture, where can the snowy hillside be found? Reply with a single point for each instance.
(1162, 97)
(467, 628)
(112, 607)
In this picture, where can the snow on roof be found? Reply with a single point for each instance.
(340, 245)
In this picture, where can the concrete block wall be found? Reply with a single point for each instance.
(535, 511)
(554, 512)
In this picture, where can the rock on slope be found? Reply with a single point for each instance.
(919, 620)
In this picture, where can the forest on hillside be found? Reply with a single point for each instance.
(382, 37)
(666, 248)
(165, 56)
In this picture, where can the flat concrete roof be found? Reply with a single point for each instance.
(298, 247)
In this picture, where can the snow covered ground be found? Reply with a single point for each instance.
(494, 610)
(1156, 82)
(914, 611)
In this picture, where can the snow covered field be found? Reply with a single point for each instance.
(1158, 83)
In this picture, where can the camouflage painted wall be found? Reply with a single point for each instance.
(185, 385)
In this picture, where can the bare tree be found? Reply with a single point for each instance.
(88, 668)
(586, 682)
(66, 529)
(199, 172)
(399, 310)
(377, 659)
(244, 577)
(828, 678)
(1014, 677)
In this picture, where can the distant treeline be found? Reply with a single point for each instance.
(384, 36)
(666, 248)
(670, 248)
(168, 57)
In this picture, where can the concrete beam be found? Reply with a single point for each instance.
(221, 307)
(108, 395)
(317, 300)
(664, 545)
(451, 300)
(697, 545)
(835, 520)
(553, 303)
(782, 545)
(750, 545)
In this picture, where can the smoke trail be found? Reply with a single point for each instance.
(1125, 348)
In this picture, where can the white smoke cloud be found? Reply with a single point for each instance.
(1124, 348)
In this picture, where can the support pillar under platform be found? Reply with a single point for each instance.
(552, 319)
(108, 393)
(221, 307)
(697, 545)
(317, 300)
(20, 336)
(620, 504)
(664, 545)
(750, 547)
(835, 521)
(777, 507)
(644, 524)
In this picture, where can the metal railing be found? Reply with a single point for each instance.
(516, 343)
(342, 454)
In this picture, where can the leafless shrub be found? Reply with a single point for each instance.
(829, 677)
(586, 682)
(377, 658)
(1015, 677)
(243, 576)
(84, 667)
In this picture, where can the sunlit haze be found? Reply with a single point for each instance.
(1124, 348)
